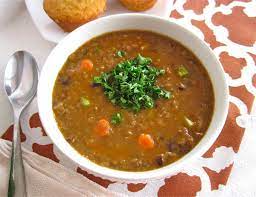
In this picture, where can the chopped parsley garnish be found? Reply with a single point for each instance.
(182, 71)
(131, 84)
(120, 53)
(85, 102)
(116, 118)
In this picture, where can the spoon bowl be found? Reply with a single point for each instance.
(20, 79)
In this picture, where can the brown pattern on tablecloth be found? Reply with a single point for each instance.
(226, 2)
(231, 134)
(9, 133)
(135, 187)
(180, 185)
(45, 150)
(176, 14)
(242, 93)
(254, 76)
(196, 6)
(253, 56)
(254, 80)
(34, 122)
(218, 178)
(241, 27)
(232, 65)
(103, 182)
(209, 37)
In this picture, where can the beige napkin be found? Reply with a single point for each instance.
(47, 178)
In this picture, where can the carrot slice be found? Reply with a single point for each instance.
(146, 141)
(86, 64)
(102, 128)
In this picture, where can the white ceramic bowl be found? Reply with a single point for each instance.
(78, 37)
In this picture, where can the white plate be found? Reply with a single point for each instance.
(52, 32)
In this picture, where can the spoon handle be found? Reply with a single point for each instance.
(17, 183)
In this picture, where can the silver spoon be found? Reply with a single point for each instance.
(20, 83)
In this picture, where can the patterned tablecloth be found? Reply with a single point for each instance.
(229, 27)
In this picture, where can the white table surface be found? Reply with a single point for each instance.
(17, 32)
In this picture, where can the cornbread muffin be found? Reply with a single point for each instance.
(138, 5)
(70, 14)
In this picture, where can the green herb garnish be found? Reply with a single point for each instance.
(120, 53)
(116, 118)
(131, 84)
(85, 102)
(182, 71)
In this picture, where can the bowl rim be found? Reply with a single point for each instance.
(142, 176)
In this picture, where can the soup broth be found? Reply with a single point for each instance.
(115, 135)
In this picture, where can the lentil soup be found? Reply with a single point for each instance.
(133, 100)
